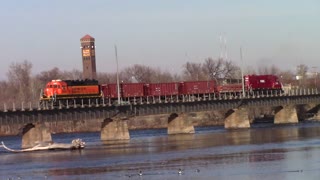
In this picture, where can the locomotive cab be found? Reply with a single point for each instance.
(53, 88)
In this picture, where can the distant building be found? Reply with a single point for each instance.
(88, 57)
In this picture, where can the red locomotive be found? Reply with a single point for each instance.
(252, 84)
(70, 90)
(58, 90)
(262, 83)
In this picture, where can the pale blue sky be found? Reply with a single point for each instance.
(163, 33)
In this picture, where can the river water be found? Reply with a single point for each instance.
(265, 151)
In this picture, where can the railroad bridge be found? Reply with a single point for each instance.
(112, 120)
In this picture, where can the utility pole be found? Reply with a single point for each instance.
(242, 82)
(118, 83)
(221, 47)
(315, 75)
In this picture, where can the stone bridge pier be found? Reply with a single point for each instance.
(286, 114)
(33, 134)
(180, 124)
(237, 118)
(114, 129)
(309, 111)
(317, 114)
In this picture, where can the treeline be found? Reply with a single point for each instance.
(23, 87)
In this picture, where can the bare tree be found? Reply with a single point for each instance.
(287, 77)
(220, 69)
(140, 73)
(105, 78)
(75, 74)
(302, 70)
(36, 86)
(159, 76)
(193, 71)
(213, 68)
(249, 70)
(274, 70)
(46, 76)
(269, 70)
(176, 77)
(19, 76)
(6, 95)
(230, 70)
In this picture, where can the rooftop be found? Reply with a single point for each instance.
(87, 37)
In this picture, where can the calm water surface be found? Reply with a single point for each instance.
(265, 151)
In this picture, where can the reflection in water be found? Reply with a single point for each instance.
(219, 153)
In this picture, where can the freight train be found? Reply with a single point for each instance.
(90, 91)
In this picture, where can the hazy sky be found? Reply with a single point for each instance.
(163, 33)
